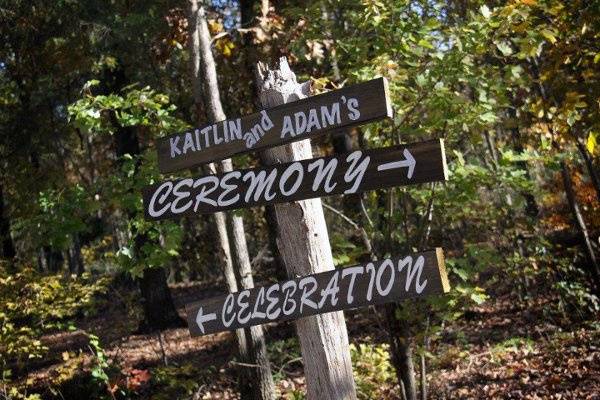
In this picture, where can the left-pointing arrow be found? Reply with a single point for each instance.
(202, 318)
(409, 162)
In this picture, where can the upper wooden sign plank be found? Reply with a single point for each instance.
(384, 281)
(309, 117)
(354, 172)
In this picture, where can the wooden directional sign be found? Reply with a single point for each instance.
(354, 172)
(384, 281)
(309, 117)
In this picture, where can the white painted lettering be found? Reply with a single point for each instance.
(300, 119)
(173, 145)
(273, 309)
(304, 299)
(181, 195)
(294, 167)
(228, 309)
(313, 121)
(151, 207)
(323, 172)
(287, 128)
(412, 273)
(331, 290)
(260, 300)
(352, 271)
(243, 304)
(228, 188)
(352, 105)
(188, 143)
(205, 190)
(260, 185)
(330, 118)
(355, 172)
(384, 265)
(289, 288)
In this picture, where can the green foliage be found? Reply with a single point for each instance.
(34, 304)
(143, 109)
(283, 355)
(179, 381)
(373, 372)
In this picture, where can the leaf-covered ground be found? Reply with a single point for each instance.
(502, 349)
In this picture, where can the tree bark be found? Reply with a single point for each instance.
(8, 247)
(304, 245)
(251, 341)
(159, 311)
(401, 351)
(593, 270)
(74, 256)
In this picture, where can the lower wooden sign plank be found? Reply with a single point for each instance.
(354, 172)
(378, 282)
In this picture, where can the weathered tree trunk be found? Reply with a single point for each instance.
(594, 270)
(304, 245)
(251, 340)
(8, 247)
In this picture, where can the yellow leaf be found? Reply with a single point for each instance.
(529, 2)
(591, 142)
(65, 355)
(597, 58)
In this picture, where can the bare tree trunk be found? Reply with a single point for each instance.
(251, 340)
(589, 163)
(8, 247)
(248, 17)
(580, 224)
(304, 245)
(74, 256)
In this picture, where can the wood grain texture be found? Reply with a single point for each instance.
(303, 243)
(354, 172)
(378, 282)
(350, 106)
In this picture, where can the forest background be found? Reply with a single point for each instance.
(92, 295)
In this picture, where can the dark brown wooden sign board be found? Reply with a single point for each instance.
(388, 280)
(313, 116)
(354, 172)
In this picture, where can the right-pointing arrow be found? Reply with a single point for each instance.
(201, 319)
(409, 162)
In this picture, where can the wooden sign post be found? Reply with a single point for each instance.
(294, 182)
(383, 281)
(355, 172)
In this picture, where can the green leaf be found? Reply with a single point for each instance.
(549, 35)
(425, 43)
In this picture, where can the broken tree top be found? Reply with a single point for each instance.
(309, 117)
(354, 172)
(384, 281)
